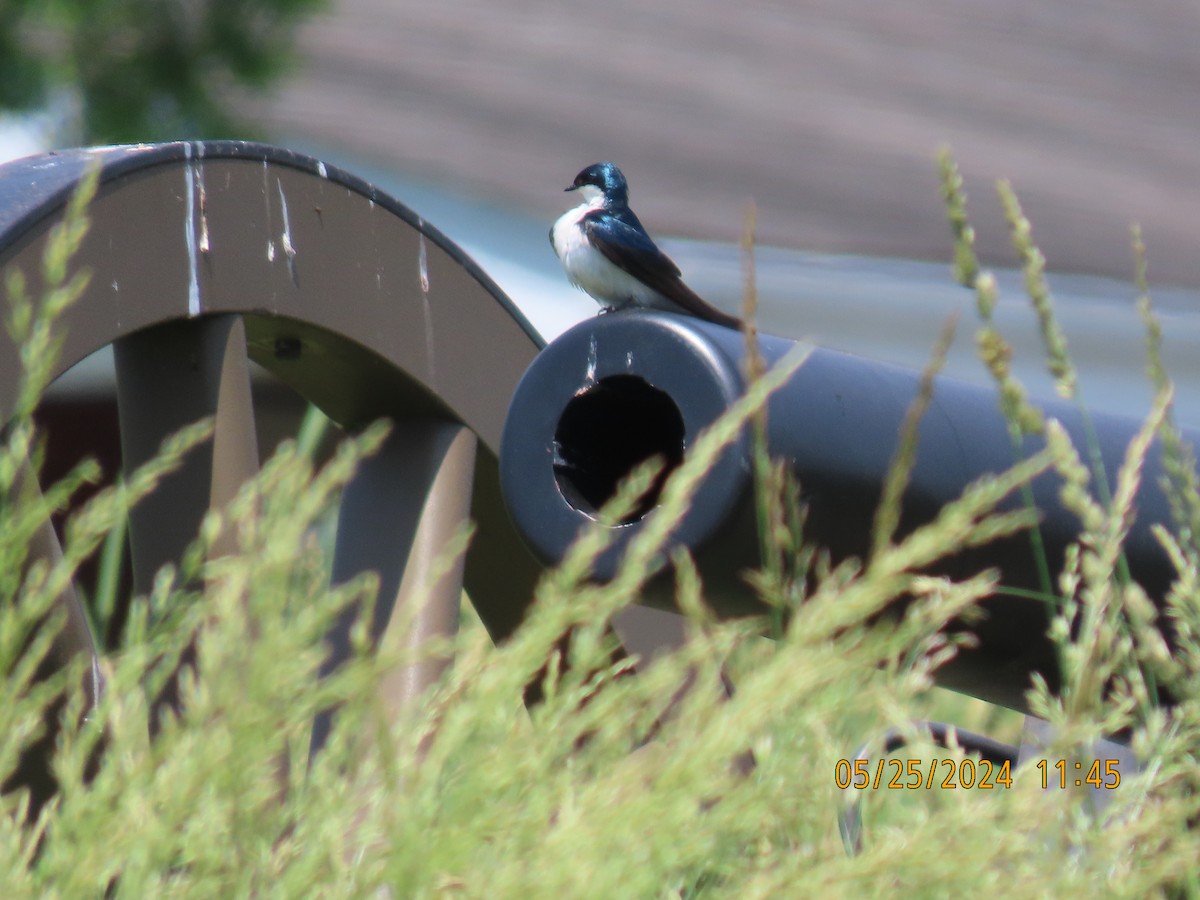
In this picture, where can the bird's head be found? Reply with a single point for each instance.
(601, 180)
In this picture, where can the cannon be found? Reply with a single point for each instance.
(620, 388)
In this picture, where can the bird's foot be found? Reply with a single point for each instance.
(620, 307)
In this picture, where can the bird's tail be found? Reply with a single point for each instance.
(694, 304)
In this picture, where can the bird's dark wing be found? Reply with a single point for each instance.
(622, 239)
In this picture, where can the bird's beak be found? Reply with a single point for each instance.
(570, 188)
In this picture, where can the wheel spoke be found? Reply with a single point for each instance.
(168, 377)
(74, 638)
(398, 517)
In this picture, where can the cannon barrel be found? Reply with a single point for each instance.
(616, 389)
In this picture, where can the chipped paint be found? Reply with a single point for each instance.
(423, 280)
(285, 240)
(287, 224)
(205, 247)
(189, 232)
(423, 264)
(590, 375)
(267, 209)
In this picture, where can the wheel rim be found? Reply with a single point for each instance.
(207, 257)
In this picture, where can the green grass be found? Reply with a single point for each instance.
(602, 790)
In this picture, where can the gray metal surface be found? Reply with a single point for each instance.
(602, 398)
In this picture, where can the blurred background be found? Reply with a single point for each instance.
(827, 114)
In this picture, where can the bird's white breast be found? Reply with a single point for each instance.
(591, 270)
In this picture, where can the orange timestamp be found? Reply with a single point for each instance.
(917, 774)
(1101, 774)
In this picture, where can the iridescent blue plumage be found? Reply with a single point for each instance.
(608, 178)
(607, 252)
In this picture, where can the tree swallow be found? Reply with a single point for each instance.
(608, 253)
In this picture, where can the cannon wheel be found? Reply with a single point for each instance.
(206, 256)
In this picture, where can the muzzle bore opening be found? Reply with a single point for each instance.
(605, 432)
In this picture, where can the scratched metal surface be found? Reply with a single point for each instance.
(827, 113)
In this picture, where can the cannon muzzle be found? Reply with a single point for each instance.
(618, 389)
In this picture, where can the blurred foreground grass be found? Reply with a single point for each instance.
(605, 788)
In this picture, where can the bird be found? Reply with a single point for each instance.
(607, 253)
